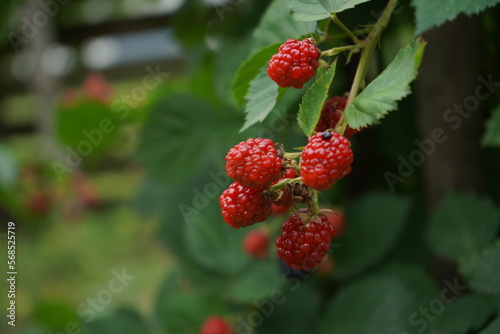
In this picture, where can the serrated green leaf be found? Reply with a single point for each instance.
(277, 25)
(174, 139)
(463, 225)
(381, 95)
(493, 327)
(261, 99)
(492, 135)
(337, 6)
(463, 315)
(373, 227)
(308, 10)
(430, 13)
(481, 269)
(313, 101)
(375, 305)
(249, 69)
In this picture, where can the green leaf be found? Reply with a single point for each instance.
(214, 244)
(249, 69)
(481, 269)
(308, 10)
(375, 305)
(493, 327)
(285, 316)
(183, 312)
(368, 224)
(255, 282)
(381, 95)
(463, 225)
(430, 13)
(337, 6)
(420, 282)
(492, 135)
(277, 25)
(176, 137)
(261, 99)
(464, 315)
(313, 101)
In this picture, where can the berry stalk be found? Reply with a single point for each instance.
(370, 43)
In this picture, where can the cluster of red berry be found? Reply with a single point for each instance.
(265, 175)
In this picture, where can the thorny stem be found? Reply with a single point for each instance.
(370, 43)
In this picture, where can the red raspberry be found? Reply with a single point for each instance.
(254, 163)
(294, 64)
(216, 325)
(304, 242)
(285, 198)
(330, 116)
(243, 206)
(326, 159)
(256, 244)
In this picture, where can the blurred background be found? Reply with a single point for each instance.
(115, 118)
